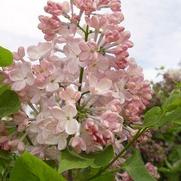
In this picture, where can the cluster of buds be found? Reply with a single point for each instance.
(79, 88)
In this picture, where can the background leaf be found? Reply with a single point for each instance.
(173, 116)
(151, 117)
(7, 160)
(6, 57)
(170, 112)
(136, 168)
(173, 101)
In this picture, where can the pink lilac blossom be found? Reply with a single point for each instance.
(79, 88)
(152, 170)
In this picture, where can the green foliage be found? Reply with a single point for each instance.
(89, 173)
(6, 57)
(30, 168)
(101, 158)
(175, 155)
(170, 111)
(3, 88)
(105, 177)
(7, 160)
(178, 85)
(136, 168)
(169, 133)
(165, 119)
(9, 102)
(173, 162)
(173, 116)
(173, 101)
(71, 160)
(152, 116)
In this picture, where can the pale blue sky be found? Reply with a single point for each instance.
(155, 27)
(156, 32)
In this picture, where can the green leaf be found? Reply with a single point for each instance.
(71, 161)
(3, 88)
(87, 173)
(170, 112)
(173, 101)
(164, 170)
(136, 168)
(176, 168)
(5, 155)
(173, 116)
(178, 85)
(6, 57)
(7, 161)
(175, 153)
(105, 177)
(30, 168)
(152, 117)
(9, 103)
(173, 177)
(101, 158)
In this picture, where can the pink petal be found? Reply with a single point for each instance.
(19, 85)
(39, 51)
(15, 75)
(104, 84)
(30, 79)
(62, 143)
(58, 113)
(70, 111)
(73, 66)
(84, 56)
(25, 68)
(60, 126)
(83, 46)
(52, 139)
(21, 51)
(51, 87)
(72, 126)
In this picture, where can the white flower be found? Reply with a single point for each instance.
(39, 51)
(66, 115)
(70, 95)
(49, 131)
(101, 86)
(21, 76)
